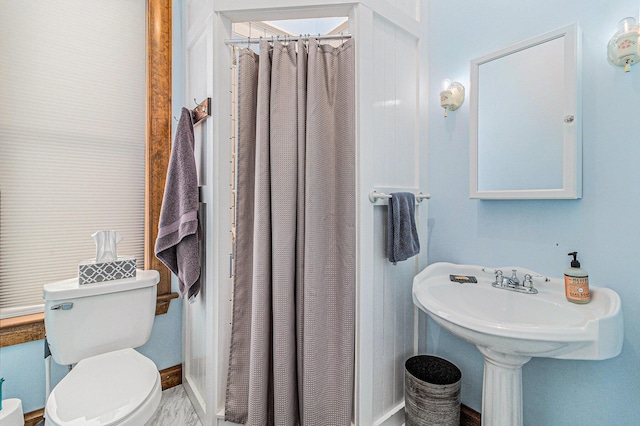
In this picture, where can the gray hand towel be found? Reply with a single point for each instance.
(402, 236)
(178, 242)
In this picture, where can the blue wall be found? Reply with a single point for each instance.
(604, 226)
(22, 366)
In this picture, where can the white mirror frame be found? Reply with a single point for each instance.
(572, 134)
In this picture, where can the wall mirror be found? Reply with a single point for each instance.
(525, 122)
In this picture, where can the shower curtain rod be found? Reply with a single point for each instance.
(287, 38)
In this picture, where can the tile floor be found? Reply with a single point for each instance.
(175, 409)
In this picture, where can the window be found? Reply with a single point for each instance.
(72, 132)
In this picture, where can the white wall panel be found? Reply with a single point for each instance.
(393, 86)
(195, 356)
(197, 334)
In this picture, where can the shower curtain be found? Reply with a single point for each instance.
(293, 329)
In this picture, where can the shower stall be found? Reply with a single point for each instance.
(390, 146)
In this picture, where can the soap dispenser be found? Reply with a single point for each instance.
(576, 282)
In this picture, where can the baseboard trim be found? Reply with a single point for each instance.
(469, 416)
(32, 418)
(169, 377)
(395, 416)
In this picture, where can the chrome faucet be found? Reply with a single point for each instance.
(513, 283)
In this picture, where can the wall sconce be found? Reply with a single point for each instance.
(452, 96)
(623, 47)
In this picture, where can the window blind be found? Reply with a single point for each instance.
(72, 123)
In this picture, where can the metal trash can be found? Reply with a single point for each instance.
(431, 392)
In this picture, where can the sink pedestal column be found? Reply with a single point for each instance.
(502, 388)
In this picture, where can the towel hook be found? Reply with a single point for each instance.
(201, 107)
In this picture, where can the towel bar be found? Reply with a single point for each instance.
(375, 196)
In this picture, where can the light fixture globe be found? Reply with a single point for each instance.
(452, 97)
(623, 48)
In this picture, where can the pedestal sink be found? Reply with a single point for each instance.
(509, 327)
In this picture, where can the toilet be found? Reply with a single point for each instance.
(95, 328)
(11, 413)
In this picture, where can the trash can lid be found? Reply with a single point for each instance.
(432, 369)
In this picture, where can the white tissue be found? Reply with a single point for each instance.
(106, 246)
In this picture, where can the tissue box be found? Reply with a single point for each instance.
(91, 272)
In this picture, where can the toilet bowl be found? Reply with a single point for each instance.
(116, 388)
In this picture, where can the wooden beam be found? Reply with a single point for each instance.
(163, 301)
(158, 131)
(23, 329)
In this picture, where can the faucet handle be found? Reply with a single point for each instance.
(527, 280)
(499, 277)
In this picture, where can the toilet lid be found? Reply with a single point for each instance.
(103, 389)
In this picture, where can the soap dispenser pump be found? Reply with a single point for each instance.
(576, 282)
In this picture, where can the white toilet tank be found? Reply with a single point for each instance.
(91, 319)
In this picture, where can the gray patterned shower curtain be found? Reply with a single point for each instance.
(293, 330)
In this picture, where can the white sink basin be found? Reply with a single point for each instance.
(541, 325)
(510, 327)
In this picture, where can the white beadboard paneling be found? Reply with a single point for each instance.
(395, 86)
(388, 144)
(204, 35)
(195, 356)
(196, 334)
(366, 349)
(196, 88)
(195, 11)
(393, 323)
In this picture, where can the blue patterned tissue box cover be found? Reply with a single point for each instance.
(92, 272)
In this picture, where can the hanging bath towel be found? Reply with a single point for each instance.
(402, 236)
(178, 243)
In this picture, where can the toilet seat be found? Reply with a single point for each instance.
(116, 388)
